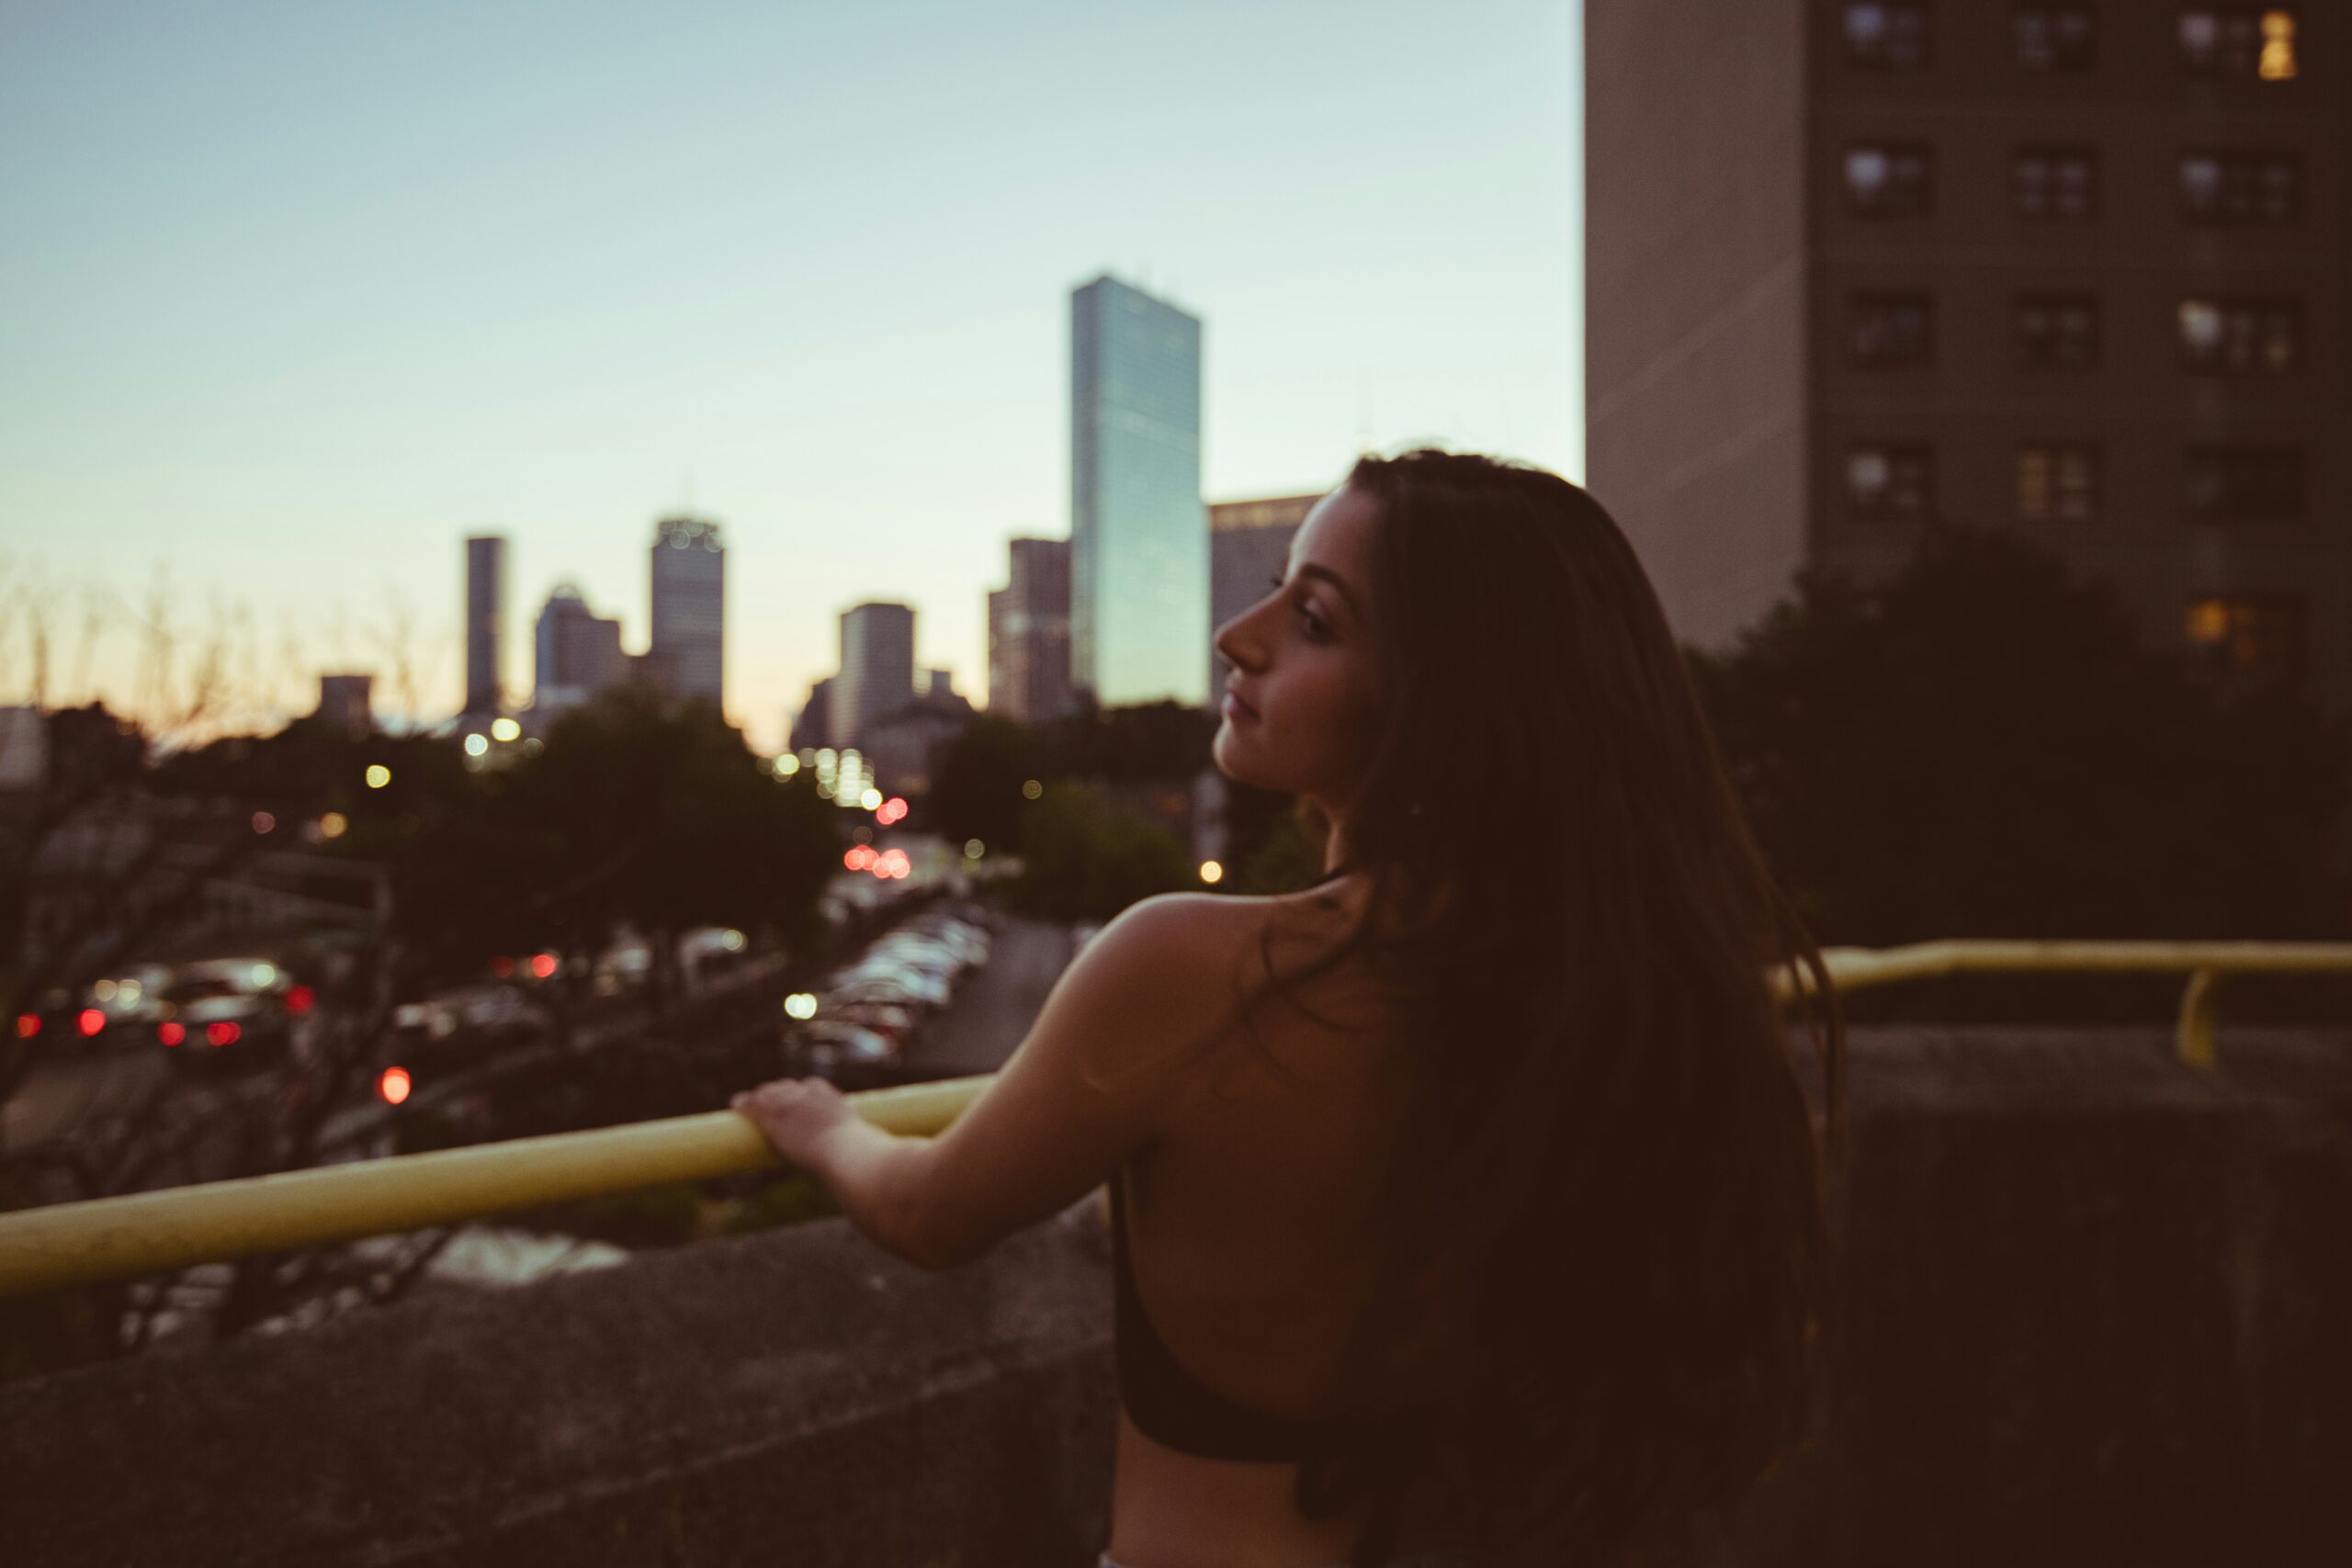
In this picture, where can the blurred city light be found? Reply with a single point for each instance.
(264, 821)
(504, 729)
(130, 990)
(732, 940)
(787, 765)
(861, 857)
(103, 991)
(301, 1000)
(27, 1025)
(378, 775)
(501, 967)
(870, 799)
(1032, 789)
(89, 1021)
(477, 745)
(392, 1083)
(332, 825)
(265, 974)
(800, 1004)
(222, 1034)
(1212, 871)
(170, 1033)
(543, 964)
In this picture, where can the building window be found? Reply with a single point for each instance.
(1889, 179)
(1889, 481)
(2054, 182)
(2241, 187)
(2227, 482)
(1887, 37)
(2260, 337)
(2056, 37)
(1890, 330)
(2057, 483)
(2249, 631)
(2241, 41)
(2056, 332)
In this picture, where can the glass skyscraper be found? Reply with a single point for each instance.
(1138, 546)
(689, 583)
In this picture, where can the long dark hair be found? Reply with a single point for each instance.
(1624, 1193)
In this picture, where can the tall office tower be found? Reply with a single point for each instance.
(347, 703)
(579, 651)
(1138, 546)
(485, 622)
(814, 726)
(1249, 547)
(877, 673)
(689, 585)
(1029, 675)
(2081, 271)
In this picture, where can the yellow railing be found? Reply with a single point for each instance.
(150, 1233)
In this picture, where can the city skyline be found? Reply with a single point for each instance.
(286, 334)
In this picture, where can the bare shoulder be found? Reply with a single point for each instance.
(1185, 953)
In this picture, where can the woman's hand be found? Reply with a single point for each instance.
(798, 1116)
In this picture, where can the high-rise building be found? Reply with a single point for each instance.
(1139, 543)
(814, 726)
(689, 587)
(1248, 549)
(579, 651)
(877, 673)
(347, 703)
(1029, 676)
(1853, 270)
(485, 623)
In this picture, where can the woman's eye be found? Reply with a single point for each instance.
(1316, 630)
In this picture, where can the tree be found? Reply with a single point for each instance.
(1983, 748)
(1087, 857)
(977, 779)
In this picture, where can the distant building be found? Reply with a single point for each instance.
(24, 748)
(900, 745)
(347, 703)
(1249, 548)
(814, 726)
(485, 623)
(579, 652)
(1029, 672)
(1138, 546)
(2081, 271)
(877, 673)
(689, 589)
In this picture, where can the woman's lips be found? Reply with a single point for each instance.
(1236, 709)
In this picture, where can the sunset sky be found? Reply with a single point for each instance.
(293, 298)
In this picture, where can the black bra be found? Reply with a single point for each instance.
(1171, 1406)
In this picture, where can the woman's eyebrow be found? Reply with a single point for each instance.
(1338, 582)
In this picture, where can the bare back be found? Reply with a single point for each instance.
(1255, 1224)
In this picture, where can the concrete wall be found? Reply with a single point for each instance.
(2100, 1317)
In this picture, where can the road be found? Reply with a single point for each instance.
(994, 1009)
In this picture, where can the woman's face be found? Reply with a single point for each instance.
(1302, 708)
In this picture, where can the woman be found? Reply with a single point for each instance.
(1475, 1205)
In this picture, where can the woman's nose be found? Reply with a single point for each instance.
(1239, 651)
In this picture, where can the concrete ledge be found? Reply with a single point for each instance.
(2100, 1315)
(793, 1397)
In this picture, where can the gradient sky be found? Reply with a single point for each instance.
(294, 297)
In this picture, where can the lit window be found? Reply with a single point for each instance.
(2249, 631)
(2242, 336)
(1890, 330)
(2057, 483)
(2241, 187)
(2225, 483)
(1889, 481)
(2056, 37)
(2240, 42)
(1887, 36)
(2056, 332)
(1889, 180)
(2054, 182)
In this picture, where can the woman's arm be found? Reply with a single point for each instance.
(1087, 1088)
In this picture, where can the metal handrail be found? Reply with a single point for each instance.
(150, 1233)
